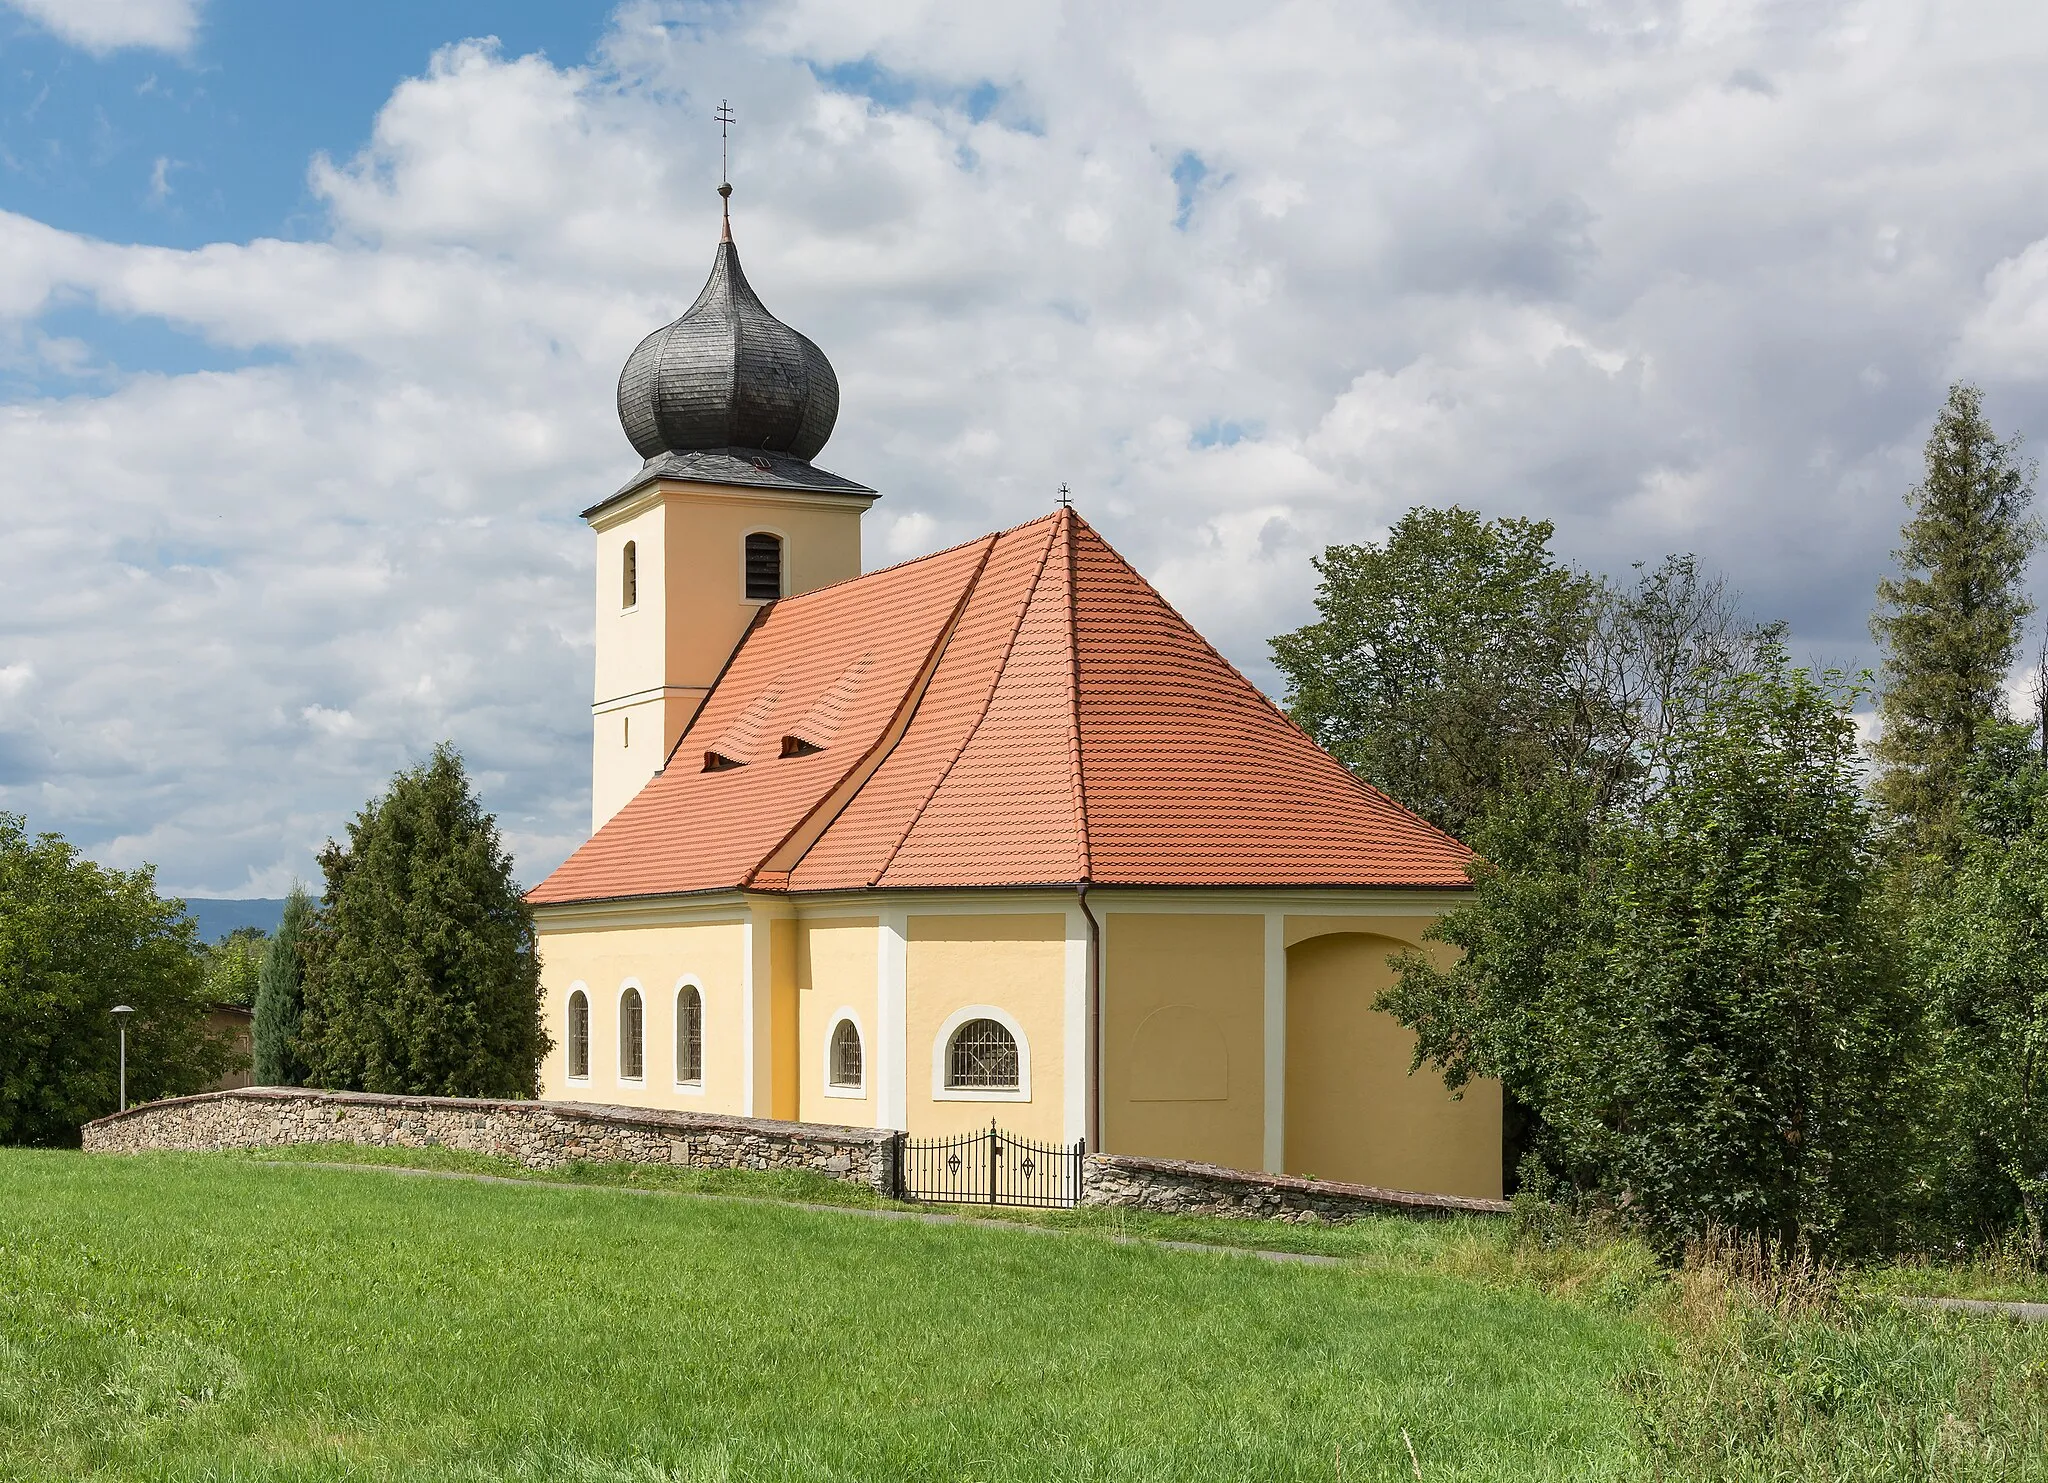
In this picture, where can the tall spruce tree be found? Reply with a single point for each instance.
(422, 974)
(281, 997)
(1950, 621)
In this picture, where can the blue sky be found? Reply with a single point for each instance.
(311, 315)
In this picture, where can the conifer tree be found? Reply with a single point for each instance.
(281, 997)
(1951, 620)
(422, 972)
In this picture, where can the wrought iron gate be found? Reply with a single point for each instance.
(991, 1168)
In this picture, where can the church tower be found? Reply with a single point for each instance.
(727, 406)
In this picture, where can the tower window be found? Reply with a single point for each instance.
(629, 576)
(764, 567)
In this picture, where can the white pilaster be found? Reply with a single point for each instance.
(1074, 1068)
(892, 1021)
(1276, 1042)
(747, 1012)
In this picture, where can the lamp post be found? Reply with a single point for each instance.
(121, 1013)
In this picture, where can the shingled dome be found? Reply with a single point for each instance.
(728, 375)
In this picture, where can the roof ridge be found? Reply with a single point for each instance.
(1363, 787)
(1077, 778)
(987, 699)
(897, 566)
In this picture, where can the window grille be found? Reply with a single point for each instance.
(690, 1038)
(983, 1055)
(631, 1061)
(764, 567)
(579, 1035)
(846, 1069)
(629, 576)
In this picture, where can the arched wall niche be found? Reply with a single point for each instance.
(1178, 1054)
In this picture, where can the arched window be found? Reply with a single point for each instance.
(629, 576)
(764, 567)
(632, 1038)
(845, 1060)
(579, 1036)
(689, 1036)
(982, 1057)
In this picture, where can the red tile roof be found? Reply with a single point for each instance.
(1022, 710)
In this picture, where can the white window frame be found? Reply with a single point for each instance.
(942, 1048)
(840, 1016)
(629, 986)
(568, 1008)
(690, 1088)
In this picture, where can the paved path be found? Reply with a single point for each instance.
(2025, 1312)
(928, 1217)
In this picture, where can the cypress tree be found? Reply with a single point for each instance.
(281, 997)
(422, 970)
(1951, 620)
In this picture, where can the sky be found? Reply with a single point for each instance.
(311, 317)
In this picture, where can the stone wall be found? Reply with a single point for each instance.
(545, 1135)
(1176, 1187)
(540, 1135)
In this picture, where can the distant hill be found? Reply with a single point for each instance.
(217, 916)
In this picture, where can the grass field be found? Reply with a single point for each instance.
(188, 1317)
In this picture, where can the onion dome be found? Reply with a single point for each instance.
(728, 375)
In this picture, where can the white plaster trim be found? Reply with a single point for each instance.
(944, 1041)
(840, 1015)
(726, 907)
(1275, 1038)
(1361, 901)
(675, 1039)
(628, 986)
(1074, 1031)
(576, 987)
(891, 1046)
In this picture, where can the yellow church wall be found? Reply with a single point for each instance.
(1184, 1067)
(1353, 1110)
(835, 971)
(1014, 963)
(604, 960)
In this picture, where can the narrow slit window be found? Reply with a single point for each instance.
(579, 1035)
(632, 1040)
(846, 1061)
(764, 567)
(629, 576)
(689, 1037)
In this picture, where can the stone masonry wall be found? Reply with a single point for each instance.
(540, 1135)
(1176, 1187)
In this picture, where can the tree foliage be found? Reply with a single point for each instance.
(1950, 623)
(1700, 999)
(232, 964)
(281, 996)
(1982, 951)
(75, 940)
(421, 969)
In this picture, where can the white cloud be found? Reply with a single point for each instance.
(109, 25)
(1624, 265)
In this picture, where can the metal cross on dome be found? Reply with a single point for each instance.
(725, 120)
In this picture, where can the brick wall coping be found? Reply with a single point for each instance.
(595, 1112)
(1295, 1184)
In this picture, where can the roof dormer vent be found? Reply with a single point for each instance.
(796, 746)
(719, 762)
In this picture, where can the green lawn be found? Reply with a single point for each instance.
(238, 1317)
(193, 1317)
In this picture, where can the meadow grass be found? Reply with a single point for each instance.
(188, 1317)
(256, 1316)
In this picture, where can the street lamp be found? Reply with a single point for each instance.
(121, 1013)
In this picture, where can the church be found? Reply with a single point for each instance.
(992, 834)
